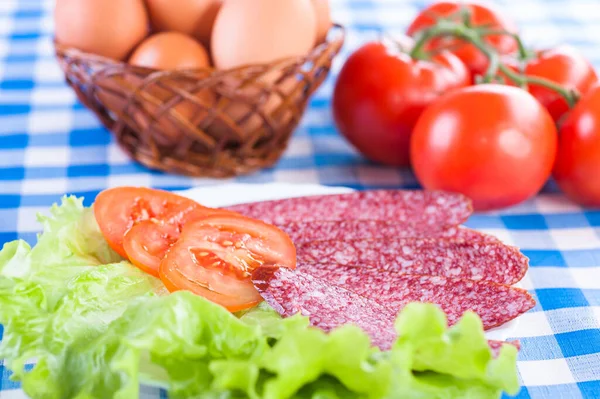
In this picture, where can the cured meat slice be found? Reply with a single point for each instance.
(301, 232)
(496, 346)
(327, 306)
(447, 257)
(495, 303)
(416, 208)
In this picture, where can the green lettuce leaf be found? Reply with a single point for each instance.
(97, 327)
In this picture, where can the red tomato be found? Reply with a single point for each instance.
(118, 209)
(565, 66)
(577, 167)
(215, 256)
(381, 92)
(481, 15)
(147, 242)
(495, 144)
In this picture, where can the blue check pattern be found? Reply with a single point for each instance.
(51, 145)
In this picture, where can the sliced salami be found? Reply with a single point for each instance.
(417, 208)
(355, 229)
(496, 346)
(447, 257)
(327, 306)
(495, 303)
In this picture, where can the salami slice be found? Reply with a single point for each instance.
(327, 306)
(496, 346)
(417, 208)
(301, 232)
(495, 303)
(447, 257)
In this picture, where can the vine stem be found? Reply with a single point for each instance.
(446, 28)
(521, 49)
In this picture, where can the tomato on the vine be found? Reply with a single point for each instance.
(565, 66)
(496, 144)
(381, 92)
(481, 15)
(577, 167)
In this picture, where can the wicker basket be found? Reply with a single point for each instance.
(201, 122)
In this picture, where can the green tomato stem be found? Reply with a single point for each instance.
(524, 54)
(571, 96)
(459, 30)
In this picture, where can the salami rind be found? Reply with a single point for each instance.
(417, 208)
(327, 306)
(446, 257)
(301, 232)
(495, 303)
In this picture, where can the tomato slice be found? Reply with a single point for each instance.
(147, 242)
(118, 209)
(215, 257)
(245, 299)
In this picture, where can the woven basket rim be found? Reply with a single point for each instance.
(62, 50)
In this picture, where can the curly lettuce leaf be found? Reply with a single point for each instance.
(430, 360)
(97, 327)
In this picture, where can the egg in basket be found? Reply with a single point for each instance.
(198, 87)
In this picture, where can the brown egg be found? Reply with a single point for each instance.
(261, 31)
(243, 112)
(323, 13)
(170, 50)
(167, 129)
(193, 17)
(114, 91)
(111, 28)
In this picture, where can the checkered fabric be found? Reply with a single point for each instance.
(51, 145)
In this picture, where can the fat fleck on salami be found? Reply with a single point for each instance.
(417, 208)
(446, 257)
(341, 230)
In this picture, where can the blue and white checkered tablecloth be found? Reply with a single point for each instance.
(51, 145)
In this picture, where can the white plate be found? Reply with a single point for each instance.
(237, 193)
(234, 193)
